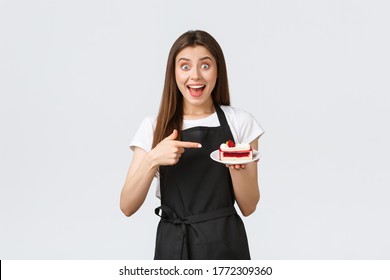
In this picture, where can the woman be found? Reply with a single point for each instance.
(198, 218)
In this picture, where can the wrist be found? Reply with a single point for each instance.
(151, 159)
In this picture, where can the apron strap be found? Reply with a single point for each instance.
(221, 116)
(170, 216)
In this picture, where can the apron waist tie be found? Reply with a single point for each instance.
(170, 216)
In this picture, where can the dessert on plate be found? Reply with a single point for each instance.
(230, 151)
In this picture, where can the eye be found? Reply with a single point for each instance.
(185, 67)
(205, 66)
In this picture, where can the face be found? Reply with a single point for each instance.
(196, 76)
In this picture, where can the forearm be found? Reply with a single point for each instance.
(246, 188)
(137, 185)
(143, 168)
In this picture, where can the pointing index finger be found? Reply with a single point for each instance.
(185, 144)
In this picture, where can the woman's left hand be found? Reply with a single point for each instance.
(236, 166)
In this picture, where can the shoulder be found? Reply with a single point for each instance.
(149, 122)
(243, 125)
(237, 114)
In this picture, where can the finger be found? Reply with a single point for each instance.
(184, 144)
(173, 135)
(231, 166)
(236, 166)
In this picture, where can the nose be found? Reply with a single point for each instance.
(195, 75)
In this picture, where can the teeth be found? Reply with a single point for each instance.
(196, 86)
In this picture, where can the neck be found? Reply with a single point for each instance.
(193, 111)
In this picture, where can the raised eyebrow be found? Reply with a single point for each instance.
(183, 58)
(203, 58)
(206, 57)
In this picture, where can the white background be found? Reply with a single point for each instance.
(77, 78)
(195, 269)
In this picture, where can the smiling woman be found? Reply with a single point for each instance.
(196, 75)
(198, 217)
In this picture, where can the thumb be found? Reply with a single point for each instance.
(173, 136)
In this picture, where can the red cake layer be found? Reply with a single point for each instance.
(235, 154)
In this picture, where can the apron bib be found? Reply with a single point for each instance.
(198, 219)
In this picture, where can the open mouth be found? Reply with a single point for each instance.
(196, 90)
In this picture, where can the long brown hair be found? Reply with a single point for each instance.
(170, 114)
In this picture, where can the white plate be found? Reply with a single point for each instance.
(215, 156)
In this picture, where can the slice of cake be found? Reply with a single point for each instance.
(230, 151)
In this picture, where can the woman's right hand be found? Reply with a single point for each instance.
(169, 150)
(143, 168)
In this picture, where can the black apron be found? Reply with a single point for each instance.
(198, 219)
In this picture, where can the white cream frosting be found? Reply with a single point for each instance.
(239, 147)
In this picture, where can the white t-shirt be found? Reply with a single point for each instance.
(242, 124)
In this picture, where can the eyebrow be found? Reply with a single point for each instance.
(186, 59)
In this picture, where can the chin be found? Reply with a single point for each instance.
(197, 101)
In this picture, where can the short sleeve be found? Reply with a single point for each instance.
(243, 125)
(248, 127)
(143, 138)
